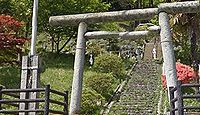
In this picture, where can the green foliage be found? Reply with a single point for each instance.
(109, 26)
(181, 26)
(102, 83)
(141, 27)
(128, 62)
(110, 63)
(10, 76)
(183, 53)
(91, 102)
(62, 35)
(96, 47)
(112, 45)
(192, 102)
(22, 10)
(5, 6)
(154, 20)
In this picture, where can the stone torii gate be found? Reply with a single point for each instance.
(127, 15)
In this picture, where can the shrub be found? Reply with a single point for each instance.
(184, 73)
(11, 43)
(110, 63)
(128, 62)
(91, 102)
(102, 83)
(94, 47)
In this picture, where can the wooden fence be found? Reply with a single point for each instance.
(14, 101)
(179, 99)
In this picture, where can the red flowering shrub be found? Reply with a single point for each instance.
(8, 22)
(184, 73)
(11, 43)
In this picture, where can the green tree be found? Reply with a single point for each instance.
(60, 36)
(22, 10)
(5, 7)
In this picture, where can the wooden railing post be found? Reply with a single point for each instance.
(66, 103)
(47, 92)
(180, 99)
(34, 68)
(1, 96)
(172, 104)
(24, 81)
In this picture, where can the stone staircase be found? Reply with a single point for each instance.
(140, 94)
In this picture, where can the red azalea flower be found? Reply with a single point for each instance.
(184, 73)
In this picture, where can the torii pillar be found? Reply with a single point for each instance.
(168, 53)
(75, 102)
(167, 50)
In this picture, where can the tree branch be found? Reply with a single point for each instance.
(66, 42)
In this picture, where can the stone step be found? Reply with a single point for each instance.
(137, 83)
(136, 106)
(192, 113)
(144, 96)
(135, 102)
(146, 112)
(136, 99)
(147, 87)
(138, 91)
(138, 95)
(141, 78)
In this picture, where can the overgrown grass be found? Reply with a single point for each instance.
(10, 76)
(57, 71)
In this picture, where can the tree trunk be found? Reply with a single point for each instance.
(27, 29)
(137, 6)
(168, 1)
(192, 34)
(57, 44)
(150, 3)
(66, 42)
(140, 4)
(52, 43)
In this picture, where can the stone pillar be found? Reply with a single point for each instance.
(75, 102)
(167, 50)
(168, 53)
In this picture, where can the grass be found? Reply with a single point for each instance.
(57, 71)
(10, 76)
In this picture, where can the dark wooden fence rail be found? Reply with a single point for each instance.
(15, 100)
(179, 99)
